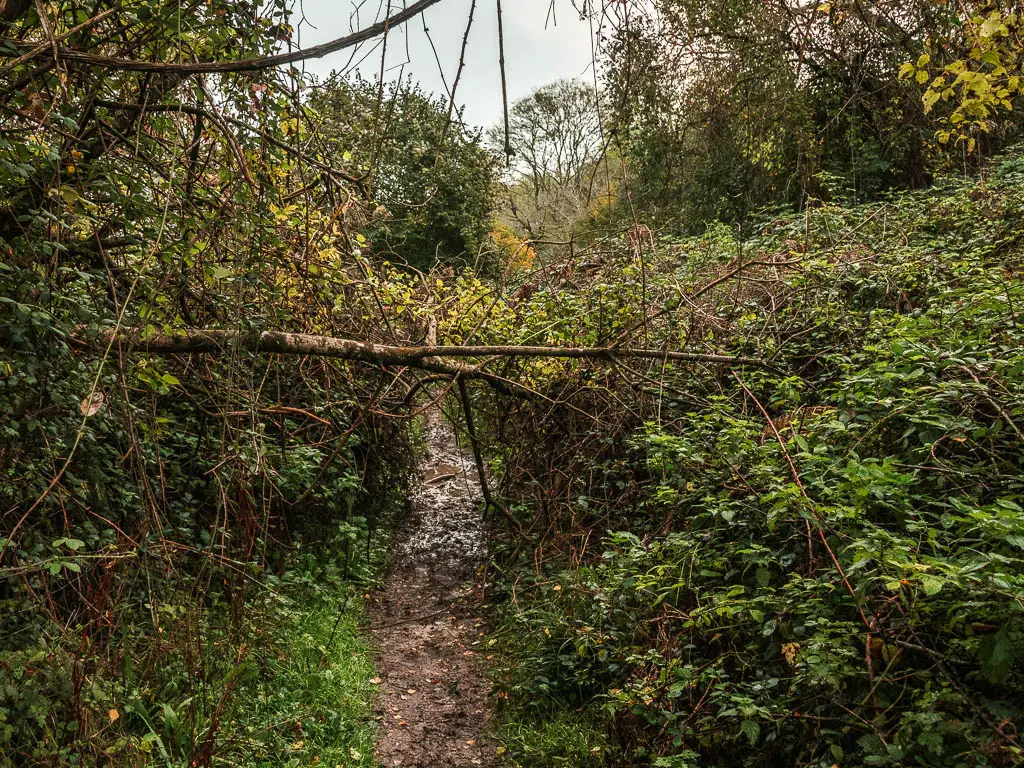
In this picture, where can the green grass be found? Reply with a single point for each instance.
(560, 738)
(311, 703)
(534, 728)
(287, 684)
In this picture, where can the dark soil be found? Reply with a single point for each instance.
(433, 707)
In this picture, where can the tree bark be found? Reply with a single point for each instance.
(443, 360)
(425, 357)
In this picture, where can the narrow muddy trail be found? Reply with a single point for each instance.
(427, 621)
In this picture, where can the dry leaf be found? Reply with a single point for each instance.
(93, 404)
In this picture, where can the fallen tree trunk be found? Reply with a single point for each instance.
(425, 357)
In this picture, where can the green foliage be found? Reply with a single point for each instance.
(288, 684)
(816, 561)
(562, 739)
(428, 171)
(840, 584)
(728, 107)
(981, 85)
(150, 508)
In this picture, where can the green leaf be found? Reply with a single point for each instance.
(751, 730)
(993, 27)
(932, 585)
(996, 655)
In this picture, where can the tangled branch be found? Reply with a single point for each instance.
(241, 65)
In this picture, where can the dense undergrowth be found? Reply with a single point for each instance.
(280, 676)
(808, 556)
(816, 562)
(191, 593)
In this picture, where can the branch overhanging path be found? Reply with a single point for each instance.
(212, 341)
(16, 49)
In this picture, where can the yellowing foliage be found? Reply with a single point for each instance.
(516, 252)
(980, 86)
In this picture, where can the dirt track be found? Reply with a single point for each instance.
(433, 707)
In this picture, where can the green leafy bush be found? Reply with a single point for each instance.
(820, 562)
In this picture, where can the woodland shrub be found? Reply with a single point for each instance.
(816, 563)
(430, 173)
(154, 511)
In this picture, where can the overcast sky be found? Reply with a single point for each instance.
(537, 49)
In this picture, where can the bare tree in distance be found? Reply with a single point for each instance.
(556, 141)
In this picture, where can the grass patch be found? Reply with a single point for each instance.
(540, 726)
(554, 739)
(281, 680)
(311, 703)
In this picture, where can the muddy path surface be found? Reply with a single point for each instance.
(433, 706)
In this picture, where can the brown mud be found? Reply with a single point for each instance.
(433, 706)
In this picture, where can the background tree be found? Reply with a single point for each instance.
(729, 106)
(429, 171)
(556, 142)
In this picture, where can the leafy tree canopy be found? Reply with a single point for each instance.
(431, 174)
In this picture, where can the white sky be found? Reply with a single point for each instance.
(537, 50)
